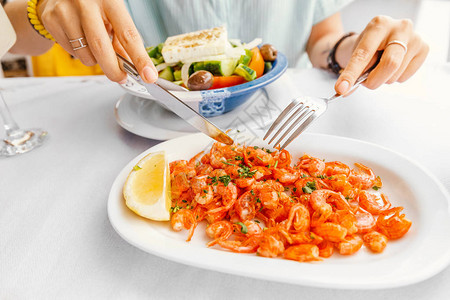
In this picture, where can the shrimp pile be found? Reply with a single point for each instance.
(254, 201)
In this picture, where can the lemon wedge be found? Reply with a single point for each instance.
(147, 188)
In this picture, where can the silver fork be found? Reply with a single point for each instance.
(300, 113)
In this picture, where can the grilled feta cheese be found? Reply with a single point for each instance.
(188, 46)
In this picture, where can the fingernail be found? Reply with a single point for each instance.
(342, 88)
(123, 81)
(150, 74)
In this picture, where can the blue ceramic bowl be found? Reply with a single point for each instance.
(215, 102)
(218, 101)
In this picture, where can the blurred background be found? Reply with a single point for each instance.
(431, 19)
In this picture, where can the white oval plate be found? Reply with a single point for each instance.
(422, 253)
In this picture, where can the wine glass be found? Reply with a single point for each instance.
(17, 140)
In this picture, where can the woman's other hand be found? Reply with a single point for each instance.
(105, 26)
(403, 53)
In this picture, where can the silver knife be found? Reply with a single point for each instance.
(176, 105)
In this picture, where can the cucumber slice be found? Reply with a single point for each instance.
(152, 51)
(246, 58)
(157, 61)
(166, 74)
(248, 73)
(223, 67)
(177, 75)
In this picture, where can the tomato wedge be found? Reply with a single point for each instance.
(226, 81)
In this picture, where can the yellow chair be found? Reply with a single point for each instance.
(57, 62)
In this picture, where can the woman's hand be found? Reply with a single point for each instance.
(106, 28)
(396, 63)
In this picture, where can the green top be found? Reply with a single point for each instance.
(286, 24)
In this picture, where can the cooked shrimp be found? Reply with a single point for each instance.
(255, 156)
(308, 209)
(392, 224)
(182, 166)
(245, 207)
(349, 245)
(320, 200)
(305, 238)
(285, 176)
(370, 202)
(202, 190)
(304, 252)
(331, 232)
(249, 245)
(179, 184)
(375, 241)
(326, 249)
(298, 217)
(270, 246)
(346, 219)
(220, 230)
(313, 165)
(184, 218)
(362, 177)
(365, 222)
(336, 167)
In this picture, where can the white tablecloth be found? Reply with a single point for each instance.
(56, 241)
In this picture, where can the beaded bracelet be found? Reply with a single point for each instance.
(34, 20)
(331, 59)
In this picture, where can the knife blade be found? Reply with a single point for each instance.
(176, 105)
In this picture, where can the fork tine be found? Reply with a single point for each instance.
(296, 113)
(302, 127)
(298, 121)
(288, 108)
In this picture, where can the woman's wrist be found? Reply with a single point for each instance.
(345, 49)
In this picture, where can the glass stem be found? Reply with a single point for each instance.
(8, 122)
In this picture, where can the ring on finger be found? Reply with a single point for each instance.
(78, 44)
(405, 47)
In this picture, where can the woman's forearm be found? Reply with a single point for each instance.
(28, 40)
(324, 36)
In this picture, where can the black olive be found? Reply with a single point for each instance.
(200, 80)
(268, 52)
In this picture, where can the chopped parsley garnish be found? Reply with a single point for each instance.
(259, 158)
(294, 189)
(255, 147)
(176, 208)
(205, 191)
(225, 179)
(185, 201)
(244, 171)
(304, 176)
(286, 188)
(238, 157)
(257, 221)
(258, 200)
(322, 176)
(227, 163)
(136, 168)
(268, 151)
(244, 228)
(276, 164)
(376, 188)
(252, 192)
(214, 180)
(309, 187)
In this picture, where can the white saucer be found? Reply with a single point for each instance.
(149, 119)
